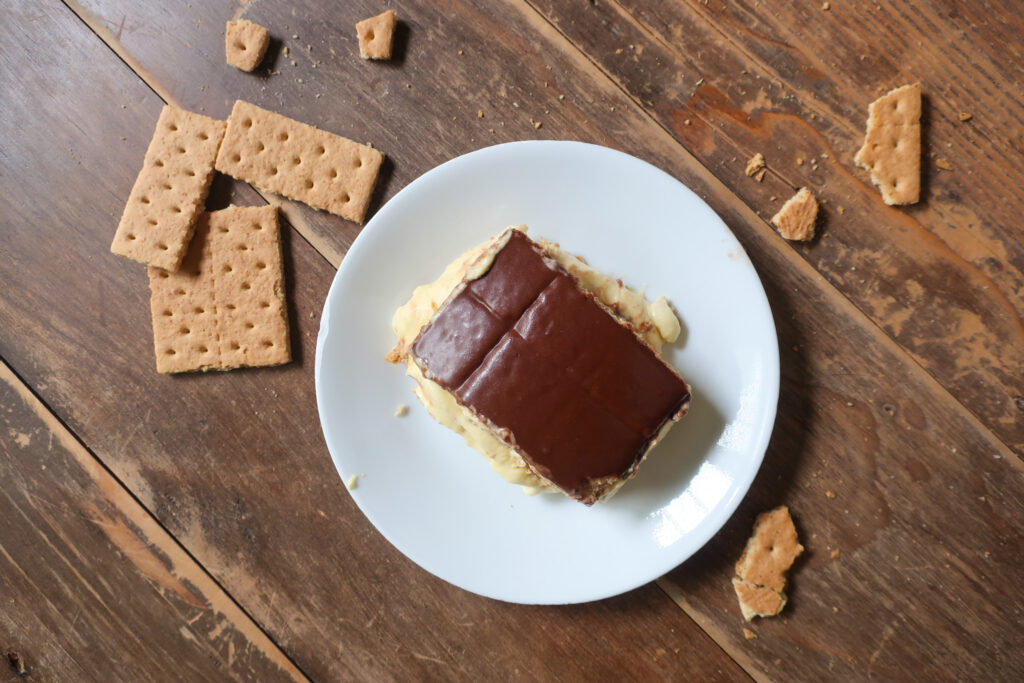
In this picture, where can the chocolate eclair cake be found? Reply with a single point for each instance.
(552, 375)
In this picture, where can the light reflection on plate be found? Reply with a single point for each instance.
(437, 500)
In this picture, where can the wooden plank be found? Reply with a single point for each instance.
(234, 464)
(93, 587)
(843, 358)
(944, 278)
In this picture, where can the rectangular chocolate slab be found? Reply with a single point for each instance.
(571, 388)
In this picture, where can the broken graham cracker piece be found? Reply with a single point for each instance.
(225, 308)
(755, 164)
(170, 190)
(892, 145)
(758, 601)
(377, 35)
(795, 220)
(771, 550)
(245, 44)
(299, 161)
(761, 570)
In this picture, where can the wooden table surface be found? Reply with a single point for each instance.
(193, 527)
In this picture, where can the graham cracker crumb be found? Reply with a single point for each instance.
(755, 164)
(834, 554)
(966, 116)
(245, 44)
(830, 494)
(795, 220)
(825, 7)
(748, 634)
(943, 164)
(892, 145)
(761, 570)
(760, 175)
(841, 210)
(376, 35)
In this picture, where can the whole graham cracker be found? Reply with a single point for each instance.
(299, 161)
(225, 307)
(377, 35)
(245, 44)
(892, 145)
(170, 190)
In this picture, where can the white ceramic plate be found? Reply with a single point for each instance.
(436, 499)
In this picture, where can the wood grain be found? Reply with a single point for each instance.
(234, 464)
(944, 278)
(93, 587)
(858, 416)
(850, 359)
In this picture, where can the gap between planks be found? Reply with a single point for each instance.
(334, 258)
(789, 254)
(540, 20)
(180, 559)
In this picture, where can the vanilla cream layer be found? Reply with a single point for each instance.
(654, 320)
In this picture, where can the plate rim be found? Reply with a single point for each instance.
(723, 510)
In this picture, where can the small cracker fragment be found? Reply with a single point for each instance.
(245, 44)
(892, 145)
(225, 307)
(758, 601)
(377, 35)
(966, 116)
(755, 164)
(748, 634)
(170, 190)
(771, 550)
(943, 164)
(402, 410)
(795, 220)
(299, 161)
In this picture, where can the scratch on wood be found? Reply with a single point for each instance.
(886, 637)
(99, 27)
(428, 658)
(20, 438)
(243, 7)
(138, 552)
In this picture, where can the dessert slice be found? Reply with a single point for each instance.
(552, 375)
